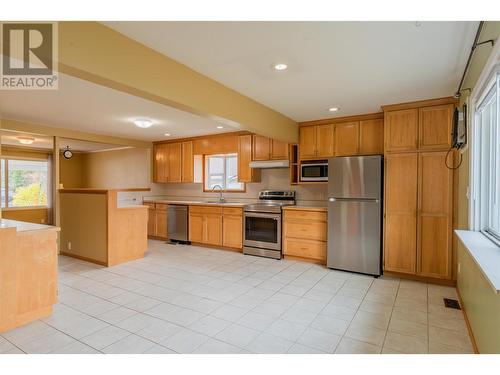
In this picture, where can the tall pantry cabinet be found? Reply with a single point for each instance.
(419, 188)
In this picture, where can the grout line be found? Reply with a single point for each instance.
(196, 259)
(13, 344)
(390, 317)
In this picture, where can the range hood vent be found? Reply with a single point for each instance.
(270, 164)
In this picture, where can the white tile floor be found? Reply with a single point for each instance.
(187, 299)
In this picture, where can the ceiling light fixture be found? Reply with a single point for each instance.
(167, 134)
(333, 109)
(26, 140)
(220, 127)
(280, 67)
(143, 123)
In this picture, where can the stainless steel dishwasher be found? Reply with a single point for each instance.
(177, 223)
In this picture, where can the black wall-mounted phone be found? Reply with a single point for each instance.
(459, 132)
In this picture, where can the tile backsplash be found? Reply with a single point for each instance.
(276, 178)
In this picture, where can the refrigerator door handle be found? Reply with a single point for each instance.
(354, 200)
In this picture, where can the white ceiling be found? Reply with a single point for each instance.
(357, 66)
(11, 138)
(88, 107)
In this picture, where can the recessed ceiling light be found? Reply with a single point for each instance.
(280, 66)
(167, 134)
(143, 123)
(333, 109)
(26, 140)
(220, 127)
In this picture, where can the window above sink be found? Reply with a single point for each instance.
(222, 170)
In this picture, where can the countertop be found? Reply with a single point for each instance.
(23, 226)
(306, 208)
(195, 203)
(299, 206)
(99, 190)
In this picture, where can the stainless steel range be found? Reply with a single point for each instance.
(262, 235)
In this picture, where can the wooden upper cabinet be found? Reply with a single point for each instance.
(401, 184)
(187, 162)
(161, 163)
(245, 173)
(174, 162)
(307, 142)
(264, 148)
(279, 150)
(347, 138)
(401, 130)
(435, 125)
(371, 137)
(324, 141)
(363, 135)
(261, 147)
(435, 215)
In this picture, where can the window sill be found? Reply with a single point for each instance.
(24, 208)
(486, 255)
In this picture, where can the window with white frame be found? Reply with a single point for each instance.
(222, 170)
(24, 183)
(486, 159)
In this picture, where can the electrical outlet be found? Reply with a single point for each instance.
(69, 245)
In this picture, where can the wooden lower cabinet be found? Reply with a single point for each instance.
(418, 214)
(196, 227)
(157, 220)
(305, 234)
(213, 229)
(205, 225)
(400, 252)
(151, 219)
(232, 228)
(161, 221)
(401, 183)
(308, 249)
(435, 216)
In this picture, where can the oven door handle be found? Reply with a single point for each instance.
(265, 216)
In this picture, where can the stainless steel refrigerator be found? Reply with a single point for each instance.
(355, 214)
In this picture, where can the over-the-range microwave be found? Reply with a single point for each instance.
(314, 170)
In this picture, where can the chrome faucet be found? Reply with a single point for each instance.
(221, 198)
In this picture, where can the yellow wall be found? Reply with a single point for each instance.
(88, 230)
(127, 168)
(481, 305)
(72, 171)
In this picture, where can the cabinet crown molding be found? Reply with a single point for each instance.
(420, 103)
(336, 120)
